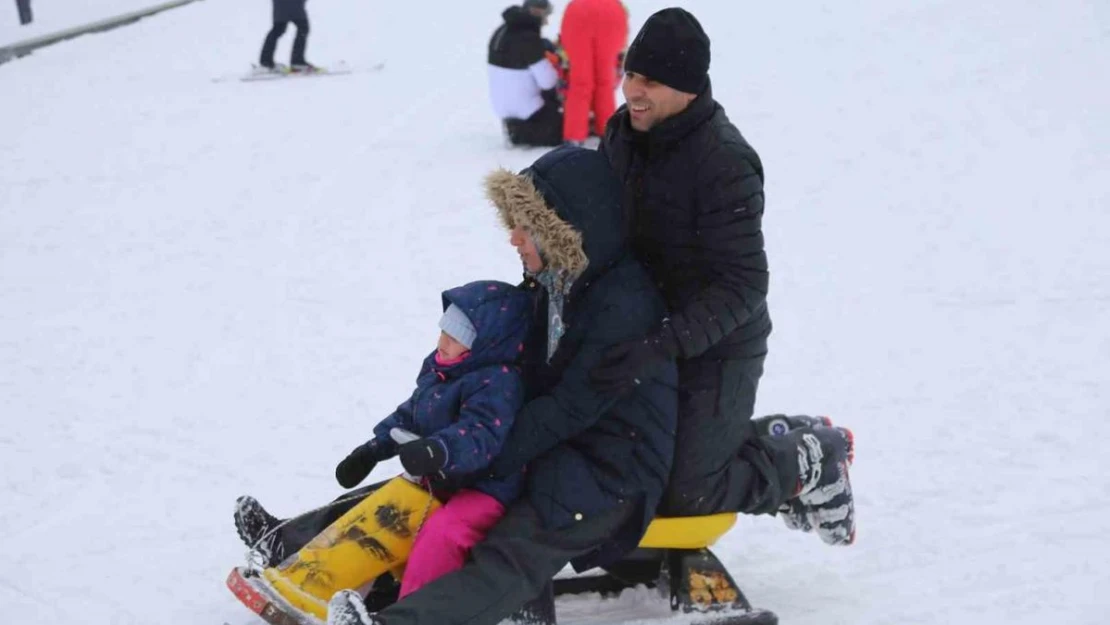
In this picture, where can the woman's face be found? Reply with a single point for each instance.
(524, 245)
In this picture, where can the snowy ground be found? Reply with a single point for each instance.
(214, 289)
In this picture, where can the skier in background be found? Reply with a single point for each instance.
(522, 78)
(593, 34)
(286, 11)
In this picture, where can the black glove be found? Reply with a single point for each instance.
(423, 457)
(357, 465)
(628, 364)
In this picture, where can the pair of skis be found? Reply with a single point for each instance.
(285, 72)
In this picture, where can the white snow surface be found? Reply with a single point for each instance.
(211, 289)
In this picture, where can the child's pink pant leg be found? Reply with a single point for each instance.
(447, 536)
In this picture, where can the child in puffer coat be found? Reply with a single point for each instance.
(467, 394)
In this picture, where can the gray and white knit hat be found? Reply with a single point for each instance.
(457, 325)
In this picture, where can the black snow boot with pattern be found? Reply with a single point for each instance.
(254, 524)
(780, 424)
(822, 501)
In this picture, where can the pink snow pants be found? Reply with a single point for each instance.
(443, 543)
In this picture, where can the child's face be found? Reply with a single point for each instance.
(449, 348)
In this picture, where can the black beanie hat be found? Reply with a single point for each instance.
(672, 49)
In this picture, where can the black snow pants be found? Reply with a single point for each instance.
(286, 12)
(719, 463)
(544, 128)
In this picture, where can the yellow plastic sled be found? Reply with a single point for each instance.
(375, 536)
(371, 539)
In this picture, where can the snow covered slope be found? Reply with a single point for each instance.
(209, 289)
(50, 16)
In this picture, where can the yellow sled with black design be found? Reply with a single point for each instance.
(366, 549)
(371, 539)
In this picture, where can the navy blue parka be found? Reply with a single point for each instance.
(584, 453)
(469, 407)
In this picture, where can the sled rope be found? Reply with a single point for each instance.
(256, 560)
(427, 508)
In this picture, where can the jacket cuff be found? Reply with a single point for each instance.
(446, 454)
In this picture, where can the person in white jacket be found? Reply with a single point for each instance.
(522, 81)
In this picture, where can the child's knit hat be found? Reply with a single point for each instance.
(457, 325)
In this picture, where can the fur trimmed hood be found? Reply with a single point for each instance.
(519, 203)
(569, 200)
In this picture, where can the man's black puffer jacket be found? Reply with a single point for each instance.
(693, 187)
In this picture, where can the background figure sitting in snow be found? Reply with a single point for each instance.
(467, 395)
(522, 78)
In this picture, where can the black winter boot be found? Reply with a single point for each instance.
(780, 424)
(253, 522)
(822, 501)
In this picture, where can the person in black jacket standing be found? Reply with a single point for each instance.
(693, 187)
(522, 80)
(286, 12)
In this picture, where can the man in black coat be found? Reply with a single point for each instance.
(286, 12)
(522, 81)
(693, 187)
(596, 465)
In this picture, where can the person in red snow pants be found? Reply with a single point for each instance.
(593, 34)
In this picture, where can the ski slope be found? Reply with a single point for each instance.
(211, 289)
(50, 16)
